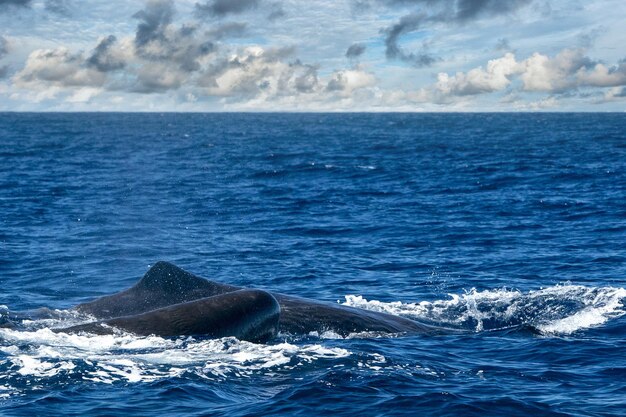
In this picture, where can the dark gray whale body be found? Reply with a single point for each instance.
(169, 301)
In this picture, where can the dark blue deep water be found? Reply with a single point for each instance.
(508, 229)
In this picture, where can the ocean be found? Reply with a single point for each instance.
(508, 231)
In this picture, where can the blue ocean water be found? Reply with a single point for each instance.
(507, 229)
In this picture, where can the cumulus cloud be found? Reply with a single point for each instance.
(565, 73)
(345, 82)
(221, 8)
(189, 59)
(171, 48)
(104, 58)
(153, 20)
(542, 73)
(429, 12)
(57, 67)
(257, 71)
(495, 77)
(601, 75)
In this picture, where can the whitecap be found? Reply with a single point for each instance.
(558, 310)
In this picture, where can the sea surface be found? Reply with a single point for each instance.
(508, 230)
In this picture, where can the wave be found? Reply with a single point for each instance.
(557, 310)
(39, 358)
(34, 356)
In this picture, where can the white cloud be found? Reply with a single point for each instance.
(543, 73)
(568, 70)
(603, 76)
(495, 77)
(83, 95)
(57, 67)
(297, 60)
(345, 82)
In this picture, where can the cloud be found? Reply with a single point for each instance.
(473, 9)
(276, 12)
(407, 24)
(306, 80)
(103, 57)
(601, 75)
(57, 67)
(495, 77)
(430, 12)
(347, 81)
(153, 20)
(257, 71)
(7, 4)
(4, 46)
(61, 7)
(221, 8)
(565, 73)
(175, 48)
(162, 57)
(503, 44)
(355, 50)
(4, 50)
(614, 93)
(542, 73)
(228, 30)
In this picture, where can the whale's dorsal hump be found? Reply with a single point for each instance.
(163, 285)
(167, 277)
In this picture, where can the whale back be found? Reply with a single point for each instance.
(250, 315)
(164, 284)
(303, 316)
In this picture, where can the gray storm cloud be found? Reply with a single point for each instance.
(355, 50)
(102, 59)
(153, 20)
(225, 7)
(7, 4)
(178, 49)
(62, 7)
(427, 12)
(407, 24)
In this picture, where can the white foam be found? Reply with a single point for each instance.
(332, 335)
(562, 309)
(129, 358)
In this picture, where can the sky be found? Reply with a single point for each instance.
(316, 55)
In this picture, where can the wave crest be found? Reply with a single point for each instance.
(558, 310)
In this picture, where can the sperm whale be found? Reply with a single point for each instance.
(169, 301)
